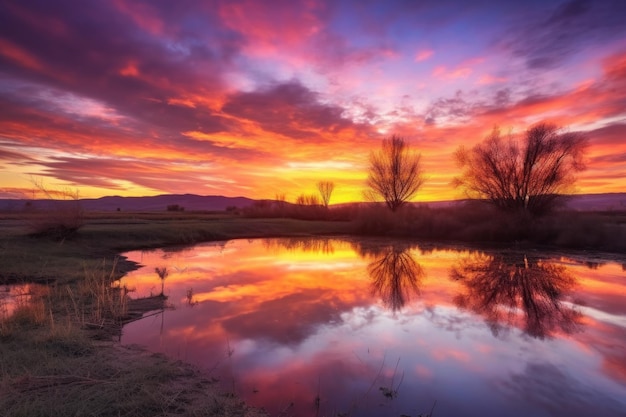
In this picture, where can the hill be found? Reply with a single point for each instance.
(597, 202)
(192, 202)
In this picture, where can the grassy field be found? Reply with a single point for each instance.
(57, 356)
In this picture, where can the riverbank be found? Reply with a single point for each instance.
(58, 354)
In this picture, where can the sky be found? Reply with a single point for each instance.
(262, 98)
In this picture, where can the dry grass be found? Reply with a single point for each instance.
(51, 363)
(73, 375)
(23, 308)
(61, 221)
(93, 302)
(97, 301)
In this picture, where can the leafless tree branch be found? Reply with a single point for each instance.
(522, 174)
(395, 173)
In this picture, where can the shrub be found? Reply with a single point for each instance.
(175, 207)
(61, 221)
(60, 216)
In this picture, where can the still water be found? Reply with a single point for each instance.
(15, 297)
(328, 327)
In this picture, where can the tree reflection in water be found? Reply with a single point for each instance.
(394, 272)
(500, 287)
(395, 275)
(305, 244)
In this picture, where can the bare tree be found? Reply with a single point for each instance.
(522, 174)
(395, 173)
(326, 189)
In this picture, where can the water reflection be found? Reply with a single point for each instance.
(395, 275)
(19, 297)
(304, 244)
(287, 322)
(501, 286)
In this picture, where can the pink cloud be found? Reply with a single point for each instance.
(142, 15)
(19, 55)
(424, 55)
(490, 79)
(443, 72)
(269, 28)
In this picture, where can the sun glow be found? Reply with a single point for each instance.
(263, 101)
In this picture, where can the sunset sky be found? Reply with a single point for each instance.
(258, 98)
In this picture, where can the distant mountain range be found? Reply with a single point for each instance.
(192, 202)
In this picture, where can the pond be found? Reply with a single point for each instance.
(333, 327)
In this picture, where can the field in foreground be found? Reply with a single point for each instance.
(57, 356)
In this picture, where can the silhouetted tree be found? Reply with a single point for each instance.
(522, 174)
(395, 173)
(280, 204)
(309, 207)
(280, 198)
(308, 200)
(326, 189)
(499, 287)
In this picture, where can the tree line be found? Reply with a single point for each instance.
(525, 173)
(515, 173)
